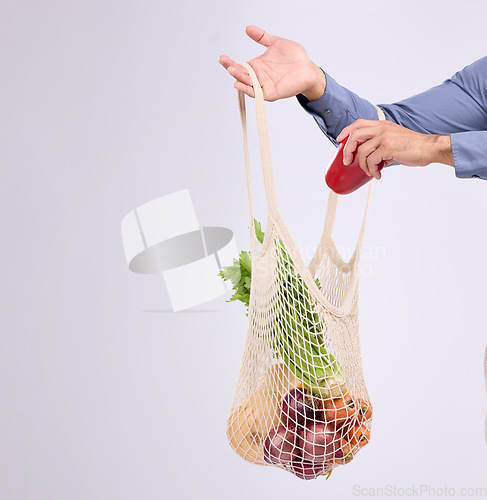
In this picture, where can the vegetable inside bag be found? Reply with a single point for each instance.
(301, 402)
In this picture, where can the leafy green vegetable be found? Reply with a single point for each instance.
(258, 231)
(298, 330)
(239, 274)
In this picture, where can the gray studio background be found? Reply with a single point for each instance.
(106, 105)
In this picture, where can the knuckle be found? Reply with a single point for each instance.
(350, 146)
(353, 135)
(362, 161)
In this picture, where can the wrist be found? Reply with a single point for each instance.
(441, 150)
(318, 84)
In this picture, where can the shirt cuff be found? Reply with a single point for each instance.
(469, 150)
(329, 110)
(337, 108)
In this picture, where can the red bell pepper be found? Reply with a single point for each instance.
(346, 179)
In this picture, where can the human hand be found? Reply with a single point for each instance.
(283, 70)
(384, 141)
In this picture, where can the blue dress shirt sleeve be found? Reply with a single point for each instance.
(457, 107)
(337, 108)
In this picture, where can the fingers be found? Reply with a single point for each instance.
(365, 139)
(343, 134)
(225, 61)
(374, 160)
(355, 138)
(372, 155)
(240, 74)
(243, 81)
(246, 89)
(260, 36)
(236, 70)
(363, 153)
(354, 126)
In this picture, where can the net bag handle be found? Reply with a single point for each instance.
(331, 211)
(265, 152)
(333, 197)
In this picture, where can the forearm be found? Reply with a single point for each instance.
(453, 115)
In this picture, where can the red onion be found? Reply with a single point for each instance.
(307, 470)
(280, 446)
(299, 407)
(318, 442)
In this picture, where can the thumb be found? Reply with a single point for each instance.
(260, 36)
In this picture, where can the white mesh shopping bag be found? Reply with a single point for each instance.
(301, 402)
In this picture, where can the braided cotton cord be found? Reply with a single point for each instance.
(265, 151)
